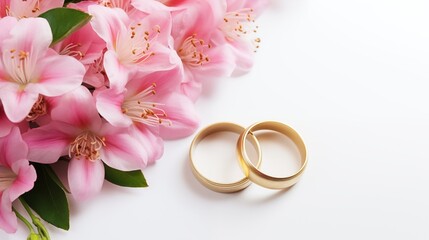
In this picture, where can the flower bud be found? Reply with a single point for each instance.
(34, 236)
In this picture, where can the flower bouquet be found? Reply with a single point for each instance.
(100, 85)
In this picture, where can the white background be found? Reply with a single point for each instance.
(351, 77)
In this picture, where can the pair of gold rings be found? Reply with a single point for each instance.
(251, 171)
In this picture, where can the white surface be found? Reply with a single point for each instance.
(352, 77)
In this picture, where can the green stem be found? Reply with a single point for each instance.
(25, 221)
(36, 221)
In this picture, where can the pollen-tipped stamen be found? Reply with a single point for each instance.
(241, 24)
(71, 49)
(192, 51)
(87, 145)
(140, 109)
(136, 46)
(39, 108)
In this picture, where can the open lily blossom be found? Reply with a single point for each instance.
(30, 69)
(99, 86)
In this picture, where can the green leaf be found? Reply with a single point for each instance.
(48, 200)
(125, 179)
(64, 21)
(55, 178)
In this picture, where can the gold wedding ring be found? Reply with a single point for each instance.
(253, 173)
(250, 170)
(215, 186)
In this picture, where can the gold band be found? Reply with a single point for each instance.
(215, 186)
(253, 173)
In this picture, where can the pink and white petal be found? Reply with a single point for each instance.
(243, 57)
(200, 18)
(150, 6)
(191, 87)
(164, 59)
(26, 9)
(164, 81)
(32, 35)
(221, 63)
(8, 220)
(159, 18)
(47, 5)
(46, 144)
(77, 108)
(95, 79)
(116, 72)
(181, 112)
(109, 105)
(85, 178)
(59, 74)
(16, 102)
(6, 24)
(5, 124)
(122, 151)
(151, 142)
(24, 182)
(108, 23)
(12, 147)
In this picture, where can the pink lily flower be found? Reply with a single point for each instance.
(240, 31)
(29, 68)
(17, 176)
(149, 101)
(29, 8)
(78, 131)
(134, 44)
(202, 59)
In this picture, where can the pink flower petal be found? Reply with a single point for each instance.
(8, 220)
(32, 35)
(109, 105)
(12, 148)
(85, 178)
(191, 85)
(27, 9)
(122, 151)
(152, 143)
(59, 75)
(164, 59)
(5, 124)
(108, 22)
(17, 103)
(115, 71)
(150, 6)
(6, 24)
(221, 63)
(48, 143)
(17, 176)
(181, 112)
(164, 81)
(243, 57)
(77, 108)
(24, 182)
